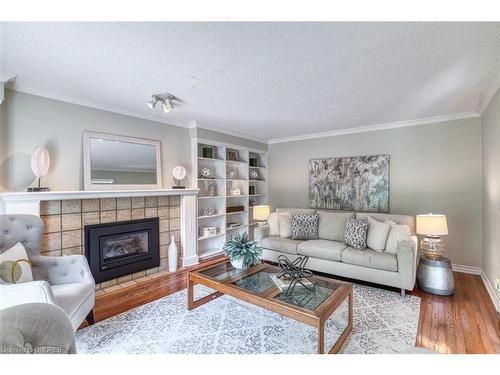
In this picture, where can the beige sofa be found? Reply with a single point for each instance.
(336, 258)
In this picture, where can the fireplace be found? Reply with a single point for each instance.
(119, 249)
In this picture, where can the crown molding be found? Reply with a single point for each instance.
(488, 94)
(376, 127)
(234, 133)
(62, 98)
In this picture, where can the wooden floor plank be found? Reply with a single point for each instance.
(464, 323)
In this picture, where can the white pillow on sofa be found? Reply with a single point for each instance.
(377, 234)
(398, 233)
(274, 225)
(285, 224)
(7, 259)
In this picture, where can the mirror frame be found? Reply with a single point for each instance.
(87, 181)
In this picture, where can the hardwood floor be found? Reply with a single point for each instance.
(463, 323)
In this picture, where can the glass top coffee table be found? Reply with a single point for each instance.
(254, 285)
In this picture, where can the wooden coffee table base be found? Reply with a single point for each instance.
(265, 300)
(343, 336)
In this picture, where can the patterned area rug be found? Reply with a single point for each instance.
(384, 322)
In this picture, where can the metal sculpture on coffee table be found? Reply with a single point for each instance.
(296, 272)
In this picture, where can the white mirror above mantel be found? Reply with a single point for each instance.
(29, 203)
(117, 162)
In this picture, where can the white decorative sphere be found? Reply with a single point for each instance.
(40, 161)
(179, 172)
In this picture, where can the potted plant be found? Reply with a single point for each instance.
(242, 251)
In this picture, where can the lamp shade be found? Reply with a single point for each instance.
(432, 225)
(261, 213)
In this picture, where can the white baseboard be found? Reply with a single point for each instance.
(466, 269)
(190, 261)
(495, 298)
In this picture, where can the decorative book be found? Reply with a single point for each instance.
(284, 283)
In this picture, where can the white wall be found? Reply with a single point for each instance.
(491, 189)
(28, 121)
(434, 168)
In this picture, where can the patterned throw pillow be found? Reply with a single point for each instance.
(355, 233)
(305, 227)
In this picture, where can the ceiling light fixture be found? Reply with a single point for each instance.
(165, 100)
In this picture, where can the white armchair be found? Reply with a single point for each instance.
(64, 281)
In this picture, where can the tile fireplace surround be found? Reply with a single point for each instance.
(65, 215)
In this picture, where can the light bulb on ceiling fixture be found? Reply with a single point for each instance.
(151, 104)
(167, 106)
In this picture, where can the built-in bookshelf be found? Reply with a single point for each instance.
(228, 177)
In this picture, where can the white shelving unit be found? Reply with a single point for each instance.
(225, 176)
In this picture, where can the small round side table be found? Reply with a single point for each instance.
(435, 276)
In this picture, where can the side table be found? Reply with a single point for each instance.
(435, 276)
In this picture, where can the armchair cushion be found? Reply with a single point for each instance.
(17, 294)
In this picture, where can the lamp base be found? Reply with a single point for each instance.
(261, 223)
(432, 247)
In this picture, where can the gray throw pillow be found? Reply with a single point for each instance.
(356, 231)
(305, 227)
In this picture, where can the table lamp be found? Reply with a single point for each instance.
(432, 227)
(260, 214)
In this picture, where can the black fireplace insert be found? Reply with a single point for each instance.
(119, 249)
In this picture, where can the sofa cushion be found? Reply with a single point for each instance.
(305, 227)
(377, 234)
(285, 245)
(332, 225)
(322, 249)
(370, 259)
(285, 224)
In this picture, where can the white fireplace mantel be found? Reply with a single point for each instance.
(29, 203)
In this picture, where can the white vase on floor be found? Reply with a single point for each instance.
(172, 255)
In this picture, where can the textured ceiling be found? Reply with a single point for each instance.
(267, 80)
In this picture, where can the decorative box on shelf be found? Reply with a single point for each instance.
(208, 152)
(230, 209)
(234, 224)
(207, 231)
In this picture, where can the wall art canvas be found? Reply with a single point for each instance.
(359, 183)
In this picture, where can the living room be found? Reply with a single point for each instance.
(250, 188)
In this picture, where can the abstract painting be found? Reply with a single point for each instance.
(359, 183)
